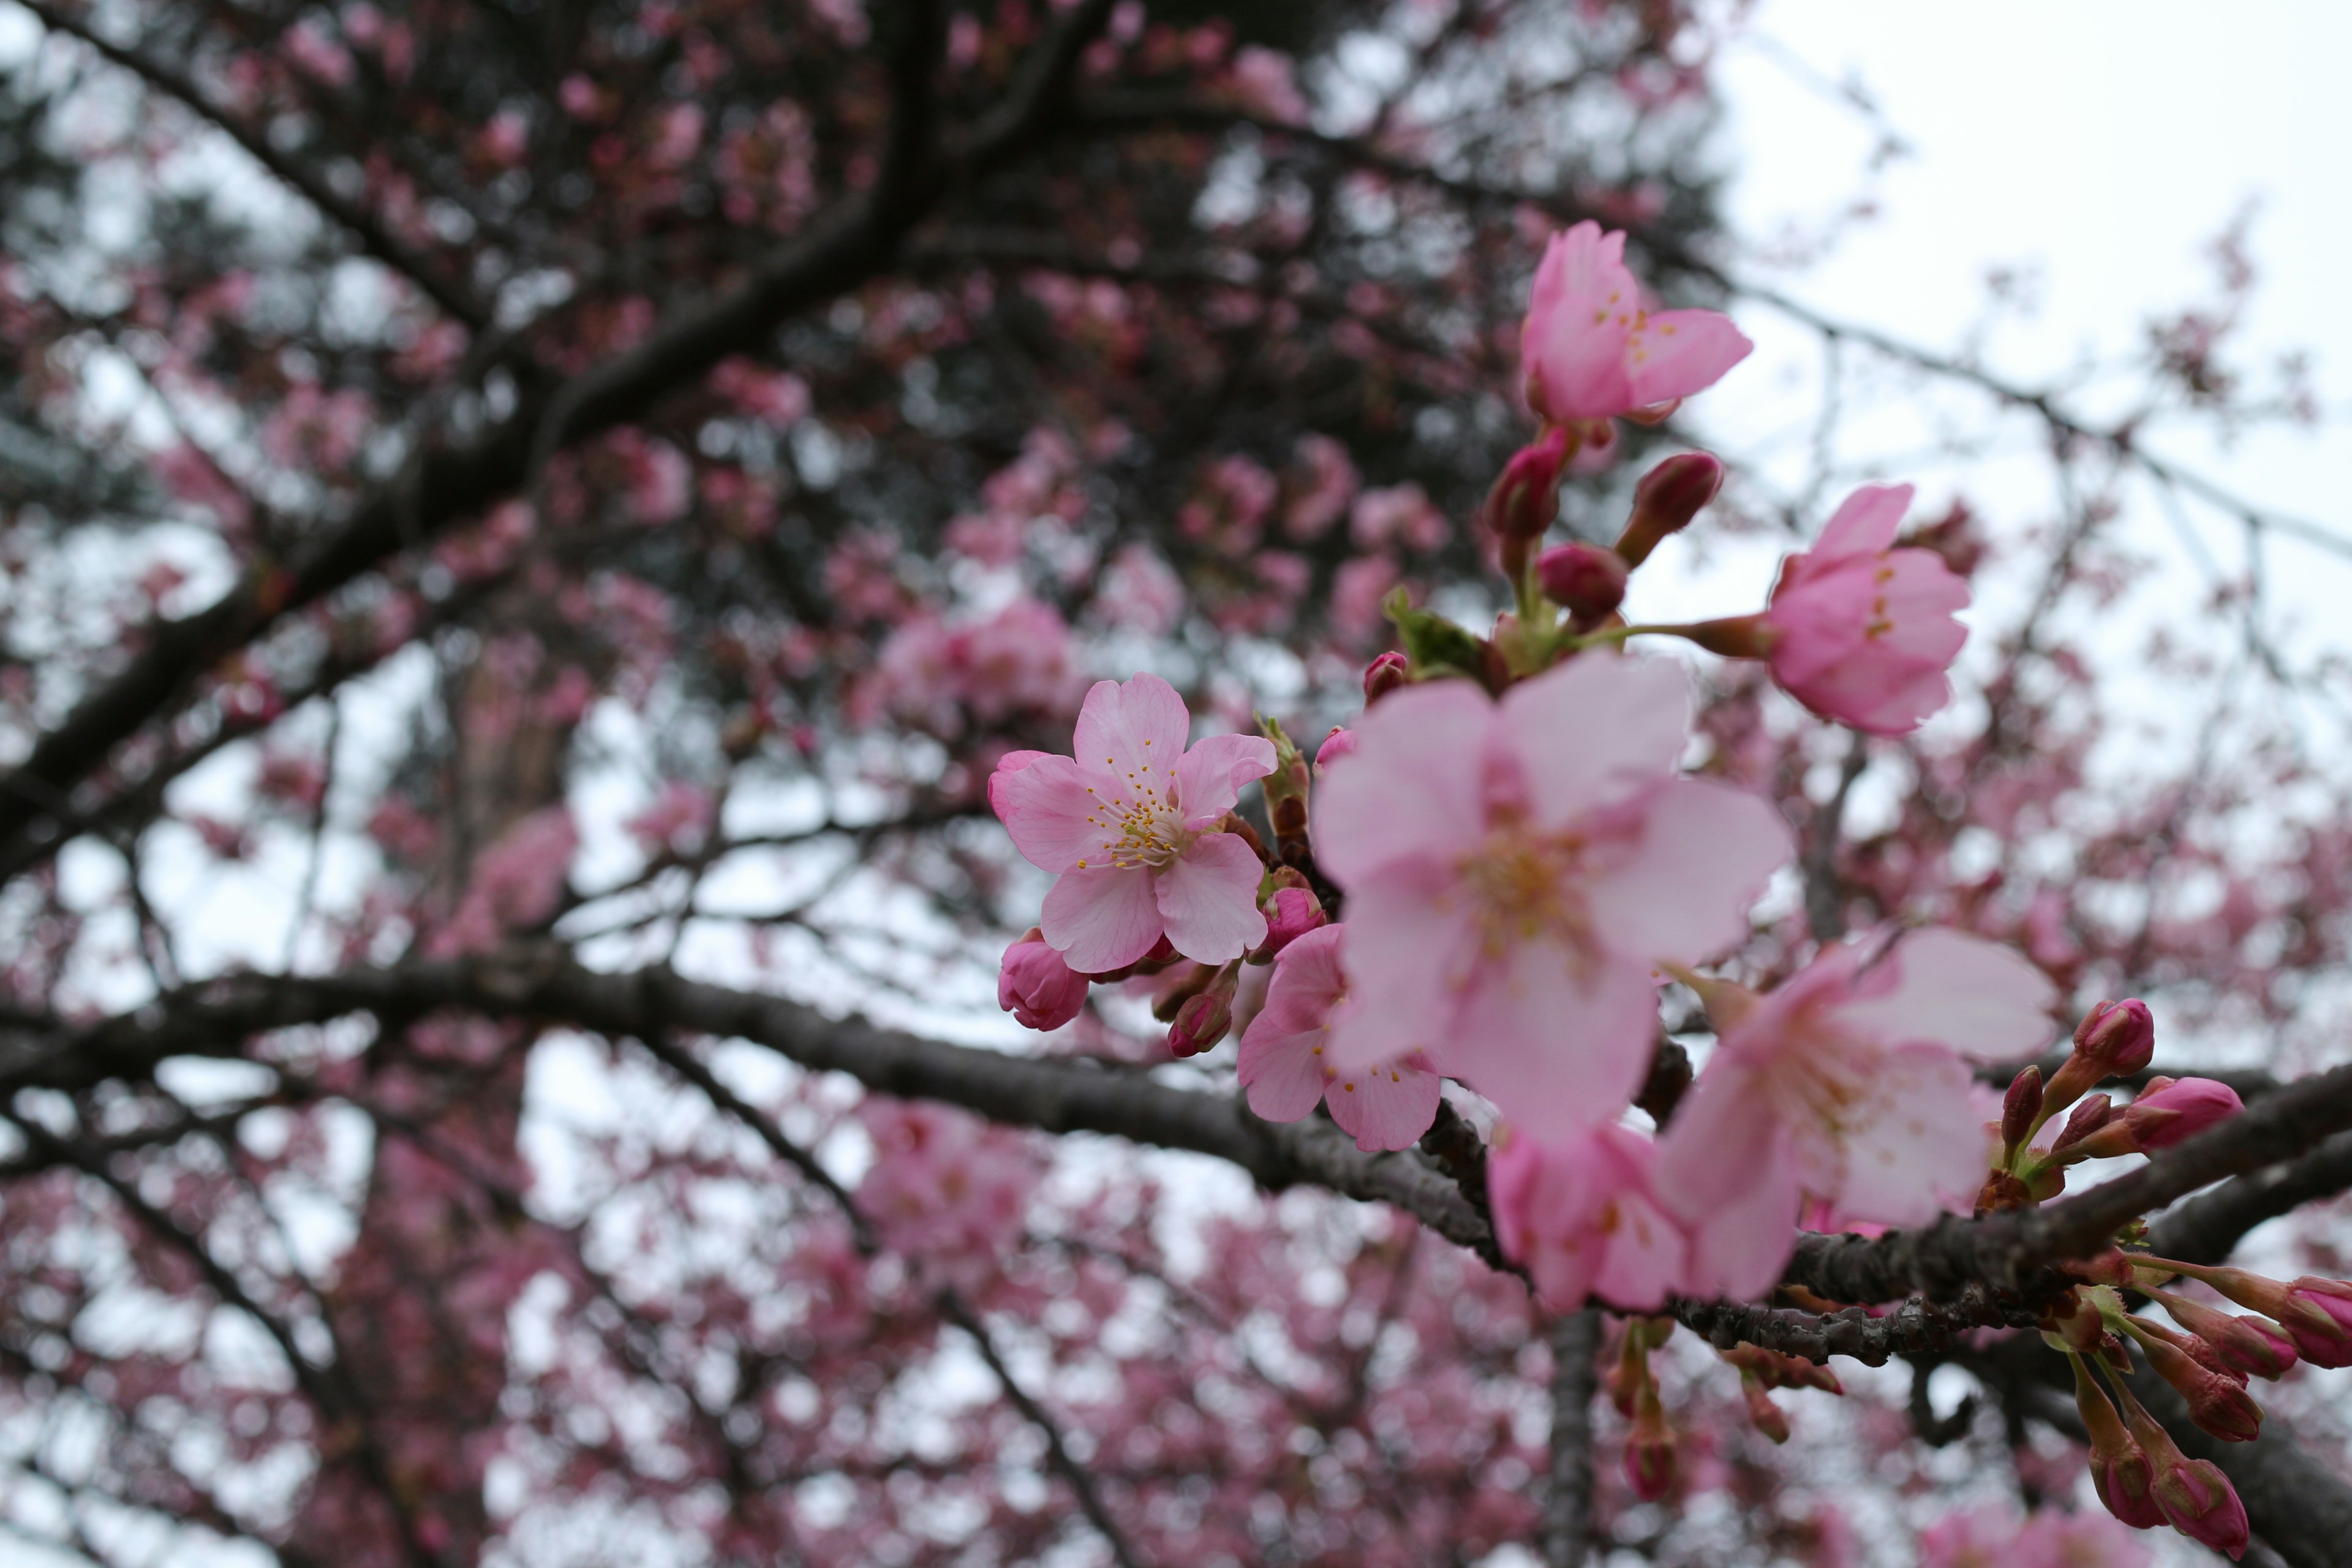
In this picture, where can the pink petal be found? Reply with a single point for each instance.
(1919, 1143)
(1573, 347)
(1385, 1107)
(1864, 523)
(1705, 852)
(1210, 776)
(1006, 766)
(1054, 810)
(1597, 729)
(1103, 919)
(1414, 784)
(1407, 949)
(1282, 1071)
(1648, 1253)
(1558, 1040)
(1680, 353)
(1209, 900)
(1740, 1248)
(1986, 1002)
(1133, 727)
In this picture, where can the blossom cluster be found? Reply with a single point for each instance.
(1481, 889)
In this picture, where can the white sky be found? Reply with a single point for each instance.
(2101, 143)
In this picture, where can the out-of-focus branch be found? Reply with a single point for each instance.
(1913, 1327)
(450, 293)
(1568, 1500)
(2208, 1227)
(1057, 1452)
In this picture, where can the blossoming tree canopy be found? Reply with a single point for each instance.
(574, 584)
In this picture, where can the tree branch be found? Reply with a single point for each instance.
(1568, 1502)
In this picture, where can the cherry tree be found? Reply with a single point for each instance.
(582, 581)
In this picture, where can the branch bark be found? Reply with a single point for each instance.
(1568, 1500)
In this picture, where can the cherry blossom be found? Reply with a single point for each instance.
(1862, 632)
(1594, 350)
(1580, 1212)
(1515, 870)
(1133, 838)
(1287, 1070)
(1036, 986)
(1850, 1082)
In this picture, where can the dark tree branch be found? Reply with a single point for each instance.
(1568, 1500)
(1915, 1327)
(2208, 1227)
(446, 291)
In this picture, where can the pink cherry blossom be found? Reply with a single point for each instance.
(1579, 1212)
(946, 1188)
(1514, 870)
(1037, 987)
(1288, 1069)
(1850, 1083)
(1861, 632)
(2086, 1540)
(1593, 349)
(1128, 825)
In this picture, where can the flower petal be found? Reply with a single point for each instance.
(1987, 1002)
(1209, 898)
(1918, 1144)
(1388, 1106)
(1679, 353)
(1128, 728)
(1705, 852)
(1054, 810)
(1406, 951)
(1210, 776)
(1414, 784)
(1101, 919)
(1864, 523)
(1595, 730)
(1282, 1071)
(1556, 1038)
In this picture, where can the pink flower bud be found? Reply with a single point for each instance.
(1291, 913)
(1037, 987)
(1337, 745)
(1384, 675)
(1204, 1017)
(1584, 579)
(2218, 1401)
(2320, 1319)
(2168, 1112)
(2118, 1038)
(1526, 497)
(2120, 1471)
(2089, 1116)
(1650, 1448)
(2198, 1501)
(1766, 1416)
(2019, 1107)
(2247, 1346)
(1668, 497)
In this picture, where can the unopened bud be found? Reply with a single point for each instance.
(1735, 636)
(1180, 986)
(2120, 1471)
(1384, 675)
(2112, 1267)
(1775, 1370)
(2168, 1111)
(1339, 744)
(2319, 1317)
(1584, 579)
(1766, 1416)
(1668, 497)
(1650, 1448)
(2247, 1346)
(1204, 1019)
(1036, 986)
(1526, 497)
(1290, 913)
(2218, 1401)
(2019, 1107)
(2088, 1118)
(2117, 1035)
(2193, 1495)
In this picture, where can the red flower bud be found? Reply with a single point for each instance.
(1037, 987)
(2167, 1113)
(2218, 1401)
(2088, 1118)
(1337, 745)
(2194, 1495)
(1384, 675)
(2247, 1346)
(1290, 914)
(2120, 1471)
(2019, 1107)
(1668, 497)
(1204, 1019)
(1180, 986)
(1526, 497)
(2119, 1037)
(1584, 579)
(2319, 1317)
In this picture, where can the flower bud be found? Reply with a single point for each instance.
(1337, 745)
(2193, 1496)
(2019, 1107)
(2120, 1471)
(1668, 497)
(2320, 1320)
(1526, 497)
(1650, 1450)
(1584, 579)
(2168, 1111)
(1291, 913)
(1204, 1019)
(2119, 1037)
(1178, 986)
(2088, 1118)
(1775, 1370)
(1383, 676)
(2247, 1346)
(2218, 1401)
(1037, 987)
(1766, 1416)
